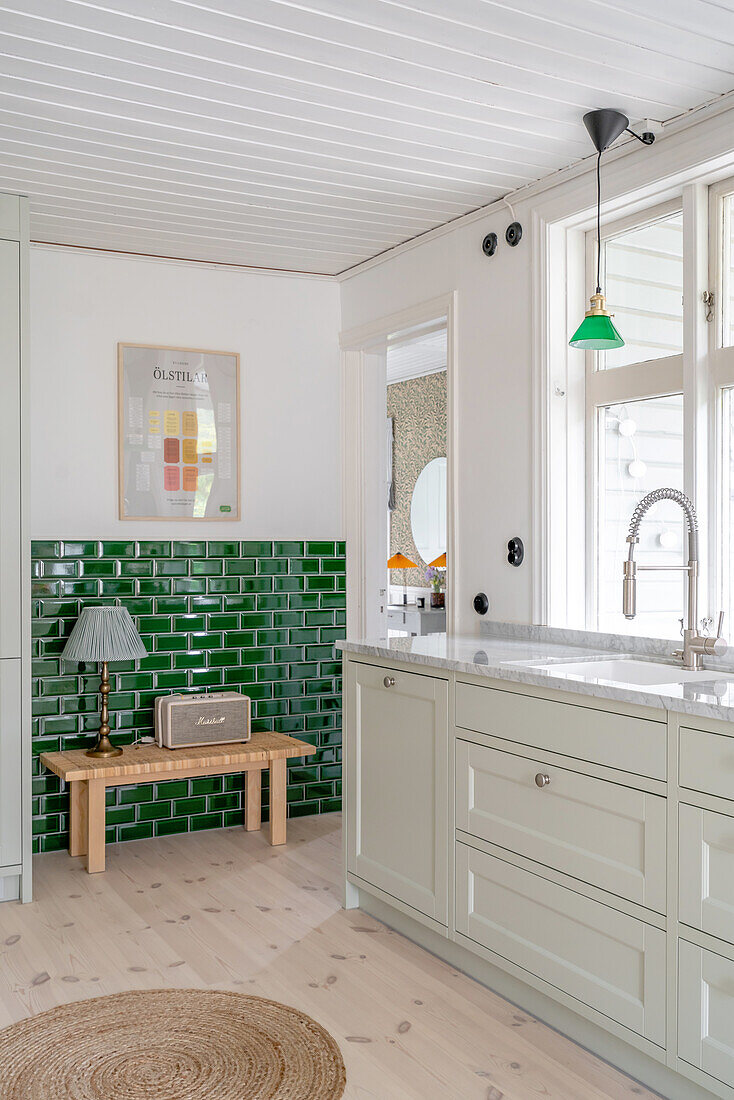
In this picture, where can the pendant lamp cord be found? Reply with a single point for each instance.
(598, 223)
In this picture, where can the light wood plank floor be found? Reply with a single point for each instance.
(223, 909)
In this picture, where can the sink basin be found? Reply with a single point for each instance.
(627, 671)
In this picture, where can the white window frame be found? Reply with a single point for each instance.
(640, 381)
(721, 377)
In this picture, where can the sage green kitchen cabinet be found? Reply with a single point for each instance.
(15, 756)
(396, 766)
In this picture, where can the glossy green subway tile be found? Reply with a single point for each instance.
(192, 659)
(288, 584)
(241, 567)
(46, 549)
(140, 568)
(189, 549)
(207, 784)
(287, 653)
(240, 603)
(143, 830)
(320, 549)
(205, 603)
(206, 640)
(161, 586)
(207, 678)
(206, 821)
(187, 622)
(129, 795)
(303, 601)
(76, 588)
(256, 584)
(153, 810)
(171, 825)
(170, 568)
(256, 549)
(320, 584)
(183, 807)
(169, 643)
(171, 605)
(269, 566)
(154, 549)
(189, 586)
(223, 549)
(305, 565)
(211, 567)
(118, 587)
(288, 549)
(223, 586)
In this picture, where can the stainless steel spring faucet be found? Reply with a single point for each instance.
(695, 645)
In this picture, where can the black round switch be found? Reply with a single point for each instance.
(481, 603)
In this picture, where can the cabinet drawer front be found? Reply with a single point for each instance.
(635, 745)
(605, 959)
(706, 1011)
(603, 833)
(707, 762)
(706, 871)
(396, 757)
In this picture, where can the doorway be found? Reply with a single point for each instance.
(398, 351)
(416, 481)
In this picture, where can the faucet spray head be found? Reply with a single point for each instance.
(629, 590)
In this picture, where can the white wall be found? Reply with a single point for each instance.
(285, 329)
(493, 394)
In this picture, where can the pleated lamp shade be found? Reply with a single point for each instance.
(439, 562)
(399, 561)
(104, 634)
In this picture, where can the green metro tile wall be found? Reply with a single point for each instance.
(257, 617)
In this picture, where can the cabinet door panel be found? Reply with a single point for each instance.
(605, 959)
(600, 832)
(706, 1011)
(10, 762)
(11, 609)
(396, 747)
(706, 871)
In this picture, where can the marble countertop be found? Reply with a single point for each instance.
(502, 656)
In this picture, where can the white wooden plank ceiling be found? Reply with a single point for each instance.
(310, 136)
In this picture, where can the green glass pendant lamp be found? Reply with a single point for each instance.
(597, 331)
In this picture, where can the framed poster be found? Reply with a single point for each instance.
(179, 433)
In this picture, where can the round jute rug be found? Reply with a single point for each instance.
(170, 1044)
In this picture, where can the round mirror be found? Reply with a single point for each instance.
(428, 510)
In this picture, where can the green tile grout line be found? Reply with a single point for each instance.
(256, 617)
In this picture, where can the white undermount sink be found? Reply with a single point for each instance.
(627, 671)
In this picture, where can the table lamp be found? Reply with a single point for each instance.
(399, 561)
(104, 634)
(439, 562)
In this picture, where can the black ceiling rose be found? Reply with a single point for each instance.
(513, 234)
(489, 244)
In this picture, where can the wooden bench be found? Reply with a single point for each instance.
(88, 778)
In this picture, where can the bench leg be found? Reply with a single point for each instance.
(277, 801)
(253, 779)
(95, 825)
(78, 818)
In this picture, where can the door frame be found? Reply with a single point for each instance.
(356, 346)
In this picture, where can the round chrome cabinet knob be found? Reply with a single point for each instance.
(542, 780)
(389, 681)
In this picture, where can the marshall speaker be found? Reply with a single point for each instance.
(219, 718)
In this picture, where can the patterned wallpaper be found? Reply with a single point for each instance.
(418, 409)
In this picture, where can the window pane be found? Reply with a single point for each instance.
(640, 447)
(644, 287)
(727, 273)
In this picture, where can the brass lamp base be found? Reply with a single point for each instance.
(104, 746)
